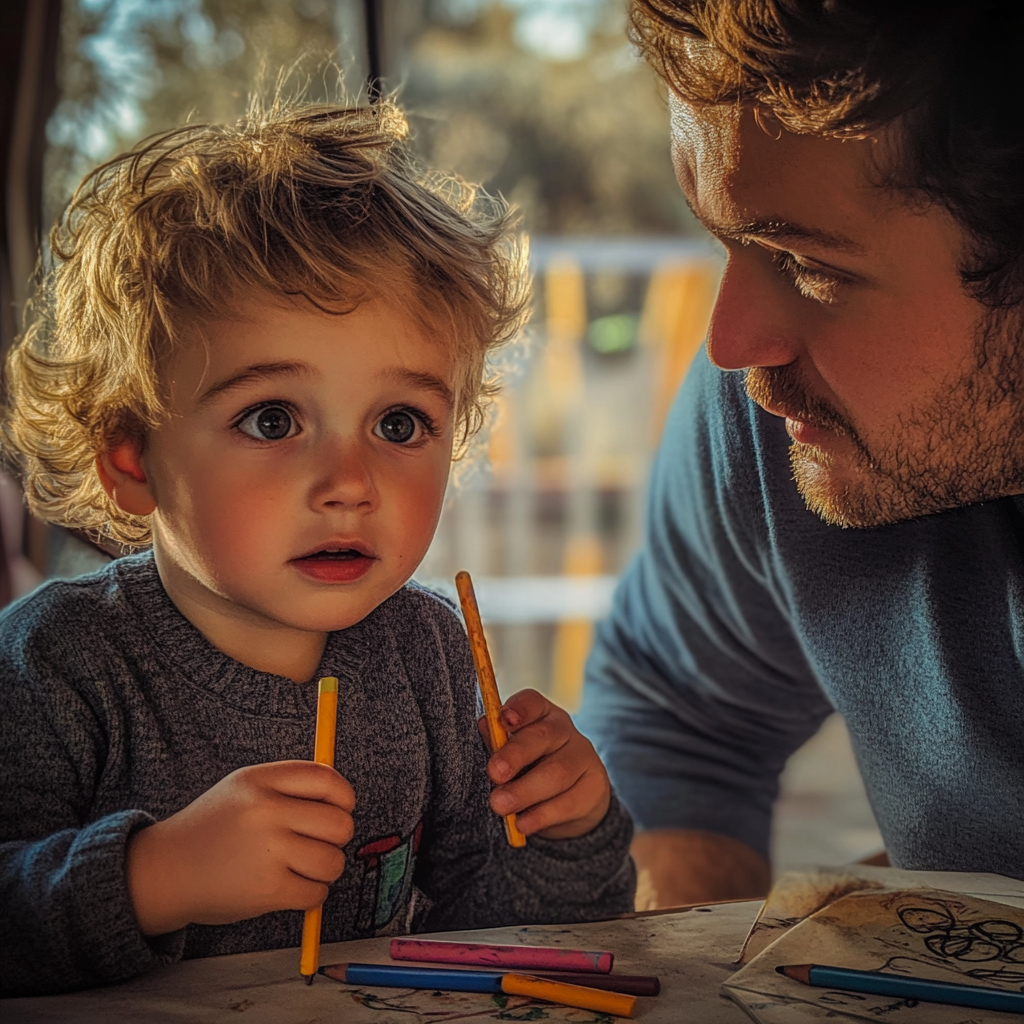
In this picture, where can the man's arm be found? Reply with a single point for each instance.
(680, 867)
(698, 689)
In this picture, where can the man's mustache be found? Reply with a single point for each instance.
(780, 390)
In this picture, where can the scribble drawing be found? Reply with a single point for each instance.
(995, 942)
(433, 1006)
(451, 1007)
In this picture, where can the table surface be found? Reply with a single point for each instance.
(692, 951)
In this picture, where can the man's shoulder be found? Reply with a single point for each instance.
(734, 436)
(722, 475)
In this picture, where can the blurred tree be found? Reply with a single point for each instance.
(581, 144)
(542, 100)
(130, 68)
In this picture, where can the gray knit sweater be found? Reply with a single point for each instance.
(117, 712)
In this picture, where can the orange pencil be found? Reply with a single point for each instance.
(488, 685)
(569, 995)
(323, 753)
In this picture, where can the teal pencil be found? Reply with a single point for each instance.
(902, 987)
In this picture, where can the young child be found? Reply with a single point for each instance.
(256, 352)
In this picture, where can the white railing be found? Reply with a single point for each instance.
(550, 521)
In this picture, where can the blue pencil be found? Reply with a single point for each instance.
(415, 977)
(446, 978)
(879, 984)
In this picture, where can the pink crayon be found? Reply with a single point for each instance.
(480, 954)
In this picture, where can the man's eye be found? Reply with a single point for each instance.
(269, 423)
(809, 282)
(399, 427)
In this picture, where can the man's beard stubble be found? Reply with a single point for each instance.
(965, 446)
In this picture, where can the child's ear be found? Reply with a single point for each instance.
(124, 478)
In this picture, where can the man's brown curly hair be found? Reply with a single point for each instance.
(946, 73)
(315, 204)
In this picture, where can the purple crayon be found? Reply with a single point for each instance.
(480, 954)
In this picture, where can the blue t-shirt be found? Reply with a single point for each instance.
(745, 620)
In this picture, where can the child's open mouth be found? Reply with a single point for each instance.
(334, 564)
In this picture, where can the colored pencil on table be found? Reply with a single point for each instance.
(628, 984)
(323, 753)
(456, 979)
(923, 989)
(568, 995)
(451, 980)
(442, 979)
(483, 954)
(488, 685)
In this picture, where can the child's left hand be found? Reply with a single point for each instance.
(566, 792)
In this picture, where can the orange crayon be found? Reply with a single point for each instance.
(488, 685)
(323, 753)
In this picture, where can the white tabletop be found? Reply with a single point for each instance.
(692, 951)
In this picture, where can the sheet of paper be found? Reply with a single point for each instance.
(691, 951)
(798, 894)
(924, 933)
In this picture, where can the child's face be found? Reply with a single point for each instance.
(299, 478)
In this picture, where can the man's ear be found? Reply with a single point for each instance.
(124, 478)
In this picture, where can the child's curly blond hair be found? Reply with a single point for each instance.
(313, 204)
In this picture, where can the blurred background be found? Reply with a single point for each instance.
(542, 101)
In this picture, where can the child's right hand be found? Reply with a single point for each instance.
(267, 837)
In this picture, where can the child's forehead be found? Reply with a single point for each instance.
(393, 303)
(259, 317)
(381, 336)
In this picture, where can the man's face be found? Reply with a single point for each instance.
(300, 474)
(844, 304)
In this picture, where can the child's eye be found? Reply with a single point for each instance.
(401, 426)
(268, 423)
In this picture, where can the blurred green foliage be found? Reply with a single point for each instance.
(610, 335)
(575, 134)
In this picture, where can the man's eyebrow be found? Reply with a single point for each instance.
(254, 374)
(423, 381)
(778, 230)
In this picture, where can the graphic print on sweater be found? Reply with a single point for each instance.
(388, 866)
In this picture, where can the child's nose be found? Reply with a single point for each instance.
(344, 480)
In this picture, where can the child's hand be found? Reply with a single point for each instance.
(566, 787)
(264, 838)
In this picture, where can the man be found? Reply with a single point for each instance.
(841, 526)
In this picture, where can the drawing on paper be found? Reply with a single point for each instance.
(798, 894)
(992, 942)
(443, 1007)
(943, 931)
(925, 933)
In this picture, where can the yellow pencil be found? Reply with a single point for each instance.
(569, 995)
(323, 753)
(488, 685)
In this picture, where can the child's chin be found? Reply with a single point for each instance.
(327, 613)
(331, 621)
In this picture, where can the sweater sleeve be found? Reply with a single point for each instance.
(697, 688)
(470, 875)
(66, 919)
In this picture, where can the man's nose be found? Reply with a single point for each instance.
(748, 326)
